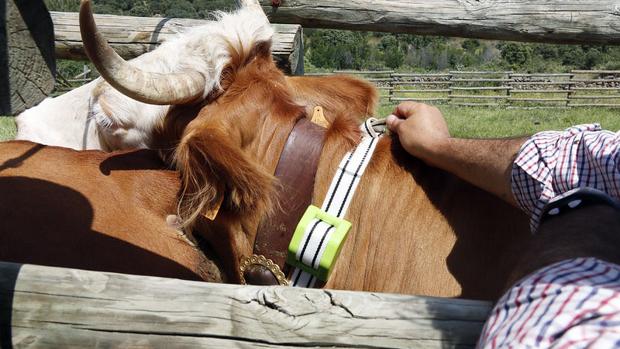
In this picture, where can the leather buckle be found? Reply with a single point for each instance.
(258, 262)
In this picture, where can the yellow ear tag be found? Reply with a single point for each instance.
(318, 117)
(212, 213)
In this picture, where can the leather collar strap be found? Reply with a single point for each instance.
(296, 171)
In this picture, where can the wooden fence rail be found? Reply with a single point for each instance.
(554, 21)
(579, 88)
(133, 36)
(68, 308)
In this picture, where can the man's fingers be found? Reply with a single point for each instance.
(393, 122)
(406, 109)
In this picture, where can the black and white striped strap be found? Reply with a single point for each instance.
(337, 201)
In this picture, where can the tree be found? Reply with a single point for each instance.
(516, 55)
(593, 58)
(338, 49)
(393, 55)
(471, 45)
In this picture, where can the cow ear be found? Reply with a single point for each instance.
(262, 49)
(215, 168)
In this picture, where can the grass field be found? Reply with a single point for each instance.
(481, 122)
(7, 128)
(491, 123)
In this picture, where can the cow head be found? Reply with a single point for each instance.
(226, 138)
(204, 66)
(136, 95)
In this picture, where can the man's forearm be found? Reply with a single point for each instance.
(486, 163)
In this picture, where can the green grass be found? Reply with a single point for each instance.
(496, 122)
(7, 128)
(480, 122)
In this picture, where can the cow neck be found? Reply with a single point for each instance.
(296, 171)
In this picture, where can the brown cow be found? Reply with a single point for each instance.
(93, 210)
(415, 229)
(108, 211)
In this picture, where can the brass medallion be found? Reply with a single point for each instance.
(262, 261)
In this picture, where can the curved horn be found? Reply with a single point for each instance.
(252, 4)
(152, 88)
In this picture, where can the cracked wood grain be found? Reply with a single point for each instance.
(73, 308)
(133, 36)
(553, 21)
(27, 69)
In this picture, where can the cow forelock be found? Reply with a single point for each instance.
(209, 48)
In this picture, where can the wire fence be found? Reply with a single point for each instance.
(506, 89)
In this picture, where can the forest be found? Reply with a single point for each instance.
(338, 49)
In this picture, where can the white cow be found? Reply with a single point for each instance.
(184, 69)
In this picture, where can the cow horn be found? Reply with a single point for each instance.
(252, 4)
(147, 87)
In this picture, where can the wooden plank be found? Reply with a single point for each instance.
(421, 75)
(595, 80)
(57, 307)
(595, 89)
(553, 21)
(364, 72)
(538, 107)
(133, 36)
(513, 99)
(541, 91)
(378, 79)
(445, 90)
(595, 71)
(483, 72)
(478, 97)
(541, 83)
(482, 80)
(420, 99)
(475, 104)
(543, 75)
(482, 88)
(318, 74)
(595, 97)
(421, 82)
(594, 105)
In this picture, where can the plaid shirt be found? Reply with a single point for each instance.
(574, 303)
(553, 162)
(570, 304)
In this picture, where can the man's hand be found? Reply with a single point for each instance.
(420, 128)
(486, 163)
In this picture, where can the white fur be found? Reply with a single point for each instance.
(78, 120)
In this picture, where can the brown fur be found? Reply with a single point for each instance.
(339, 95)
(415, 229)
(93, 210)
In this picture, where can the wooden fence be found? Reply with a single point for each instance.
(506, 89)
(133, 36)
(552, 21)
(69, 308)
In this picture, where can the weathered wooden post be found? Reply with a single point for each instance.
(27, 61)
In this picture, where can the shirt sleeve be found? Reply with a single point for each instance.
(553, 162)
